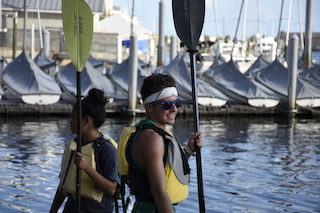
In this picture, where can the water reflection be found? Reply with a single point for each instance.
(259, 165)
(249, 164)
(30, 151)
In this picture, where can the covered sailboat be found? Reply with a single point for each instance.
(120, 75)
(97, 64)
(228, 79)
(276, 77)
(26, 80)
(258, 64)
(90, 78)
(219, 60)
(312, 75)
(178, 69)
(46, 64)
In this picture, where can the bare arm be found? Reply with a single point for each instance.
(57, 201)
(149, 151)
(107, 186)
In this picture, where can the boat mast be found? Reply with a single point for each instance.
(278, 37)
(235, 36)
(289, 21)
(24, 24)
(259, 27)
(244, 29)
(215, 17)
(300, 25)
(39, 23)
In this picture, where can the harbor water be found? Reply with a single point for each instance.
(255, 164)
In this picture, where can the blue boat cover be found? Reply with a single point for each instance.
(97, 64)
(276, 77)
(45, 63)
(256, 66)
(24, 77)
(228, 78)
(119, 74)
(90, 78)
(179, 70)
(312, 75)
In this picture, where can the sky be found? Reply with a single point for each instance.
(223, 17)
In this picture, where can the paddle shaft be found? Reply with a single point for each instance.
(79, 141)
(202, 207)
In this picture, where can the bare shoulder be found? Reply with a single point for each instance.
(150, 134)
(150, 140)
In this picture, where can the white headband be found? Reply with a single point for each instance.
(165, 93)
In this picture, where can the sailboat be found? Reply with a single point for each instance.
(312, 75)
(97, 64)
(90, 78)
(23, 78)
(46, 64)
(229, 80)
(260, 63)
(179, 71)
(119, 74)
(276, 77)
(43, 61)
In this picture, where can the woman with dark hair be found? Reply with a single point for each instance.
(97, 161)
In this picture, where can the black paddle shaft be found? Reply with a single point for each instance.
(79, 141)
(202, 207)
(188, 16)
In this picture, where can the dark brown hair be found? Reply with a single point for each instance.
(155, 83)
(93, 106)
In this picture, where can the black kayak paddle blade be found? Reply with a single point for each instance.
(188, 16)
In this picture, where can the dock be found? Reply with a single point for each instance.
(120, 109)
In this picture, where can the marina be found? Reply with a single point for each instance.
(229, 69)
(255, 98)
(223, 89)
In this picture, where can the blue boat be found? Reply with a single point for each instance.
(25, 80)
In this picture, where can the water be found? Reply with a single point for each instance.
(249, 164)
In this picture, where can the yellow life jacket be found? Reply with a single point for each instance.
(68, 171)
(176, 168)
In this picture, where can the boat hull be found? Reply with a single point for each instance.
(308, 102)
(40, 99)
(263, 102)
(208, 101)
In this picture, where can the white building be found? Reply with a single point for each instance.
(111, 27)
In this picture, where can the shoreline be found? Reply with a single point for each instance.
(120, 109)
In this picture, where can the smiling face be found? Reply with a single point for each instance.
(159, 115)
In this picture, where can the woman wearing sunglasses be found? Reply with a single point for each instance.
(158, 170)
